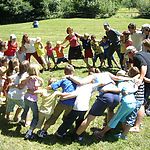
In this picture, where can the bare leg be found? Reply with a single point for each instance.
(139, 118)
(125, 64)
(27, 118)
(126, 130)
(110, 114)
(86, 62)
(17, 113)
(116, 63)
(123, 125)
(69, 61)
(85, 124)
(102, 133)
(7, 115)
(46, 126)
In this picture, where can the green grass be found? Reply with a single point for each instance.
(55, 29)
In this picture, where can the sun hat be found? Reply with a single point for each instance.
(106, 24)
(58, 42)
(130, 49)
(38, 39)
(86, 34)
(12, 36)
(145, 26)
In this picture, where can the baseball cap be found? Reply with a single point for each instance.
(58, 42)
(38, 39)
(126, 32)
(106, 24)
(145, 26)
(12, 36)
(130, 49)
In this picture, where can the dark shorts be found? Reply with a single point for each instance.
(62, 59)
(88, 53)
(106, 100)
(75, 53)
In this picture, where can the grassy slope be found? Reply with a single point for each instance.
(12, 136)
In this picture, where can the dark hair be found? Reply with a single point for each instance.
(69, 69)
(68, 29)
(94, 70)
(104, 37)
(132, 26)
(4, 59)
(93, 36)
(133, 71)
(23, 67)
(23, 38)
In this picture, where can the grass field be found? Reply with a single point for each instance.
(12, 136)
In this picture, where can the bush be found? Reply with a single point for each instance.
(144, 8)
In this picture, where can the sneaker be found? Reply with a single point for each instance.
(119, 136)
(58, 135)
(80, 138)
(41, 133)
(28, 136)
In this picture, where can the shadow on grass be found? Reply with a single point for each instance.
(6, 126)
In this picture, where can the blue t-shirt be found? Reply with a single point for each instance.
(86, 43)
(67, 86)
(105, 46)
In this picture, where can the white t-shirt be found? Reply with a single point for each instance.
(15, 93)
(30, 48)
(137, 39)
(83, 93)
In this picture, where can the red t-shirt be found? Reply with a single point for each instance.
(59, 51)
(73, 41)
(11, 51)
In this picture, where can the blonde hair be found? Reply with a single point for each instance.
(33, 69)
(69, 69)
(146, 42)
(133, 71)
(51, 81)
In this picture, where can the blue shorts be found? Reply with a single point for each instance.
(11, 104)
(106, 100)
(62, 59)
(123, 111)
(132, 116)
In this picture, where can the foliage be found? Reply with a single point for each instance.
(14, 11)
(144, 7)
(129, 3)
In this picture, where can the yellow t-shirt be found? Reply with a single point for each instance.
(123, 47)
(95, 46)
(40, 51)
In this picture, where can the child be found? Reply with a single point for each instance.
(97, 51)
(106, 44)
(127, 42)
(21, 53)
(3, 69)
(128, 104)
(40, 52)
(15, 93)
(30, 100)
(50, 55)
(81, 106)
(66, 105)
(49, 98)
(3, 47)
(12, 47)
(59, 52)
(87, 46)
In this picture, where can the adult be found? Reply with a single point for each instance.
(105, 100)
(113, 36)
(75, 48)
(142, 61)
(136, 36)
(30, 48)
(146, 34)
(12, 47)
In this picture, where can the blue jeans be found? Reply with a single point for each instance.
(34, 108)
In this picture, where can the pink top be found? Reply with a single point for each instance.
(128, 43)
(73, 41)
(49, 50)
(32, 84)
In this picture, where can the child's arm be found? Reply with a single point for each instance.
(66, 46)
(115, 90)
(49, 87)
(41, 44)
(65, 96)
(146, 80)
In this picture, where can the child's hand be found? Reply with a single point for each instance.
(125, 92)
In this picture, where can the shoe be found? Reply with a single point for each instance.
(42, 70)
(28, 136)
(41, 133)
(119, 136)
(80, 138)
(58, 135)
(75, 137)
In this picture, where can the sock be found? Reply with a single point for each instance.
(29, 132)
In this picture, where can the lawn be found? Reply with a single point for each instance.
(12, 136)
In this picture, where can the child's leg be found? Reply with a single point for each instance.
(116, 63)
(24, 114)
(124, 63)
(41, 120)
(17, 113)
(94, 60)
(126, 130)
(102, 61)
